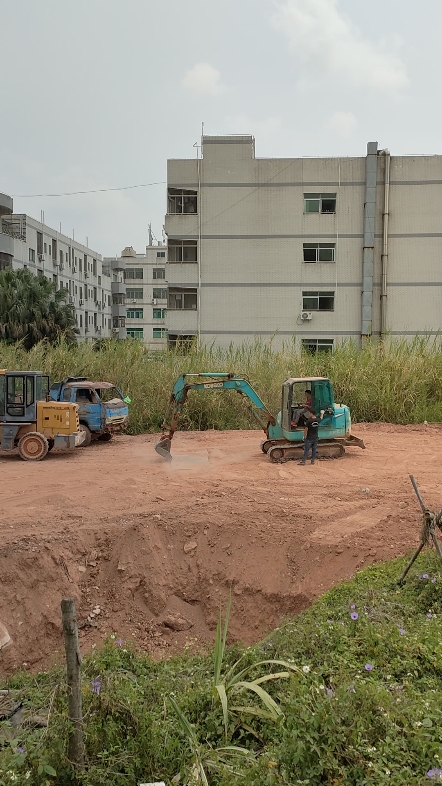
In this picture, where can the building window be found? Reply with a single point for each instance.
(159, 294)
(45, 248)
(158, 272)
(181, 201)
(134, 294)
(319, 203)
(134, 332)
(133, 272)
(159, 333)
(319, 252)
(81, 320)
(109, 299)
(314, 345)
(161, 254)
(159, 313)
(134, 313)
(99, 280)
(182, 251)
(318, 301)
(32, 255)
(182, 299)
(94, 267)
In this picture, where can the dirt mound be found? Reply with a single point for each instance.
(149, 549)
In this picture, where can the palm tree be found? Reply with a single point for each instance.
(31, 309)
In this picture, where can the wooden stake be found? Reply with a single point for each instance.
(73, 662)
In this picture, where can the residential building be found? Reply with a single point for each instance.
(28, 243)
(314, 250)
(140, 306)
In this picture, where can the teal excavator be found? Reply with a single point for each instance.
(285, 432)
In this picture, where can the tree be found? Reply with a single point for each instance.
(31, 309)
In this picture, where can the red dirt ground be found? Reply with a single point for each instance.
(116, 526)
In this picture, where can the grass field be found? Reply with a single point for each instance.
(400, 382)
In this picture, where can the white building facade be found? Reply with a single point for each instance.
(310, 250)
(28, 243)
(140, 308)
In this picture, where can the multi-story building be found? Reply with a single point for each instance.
(140, 305)
(312, 250)
(28, 243)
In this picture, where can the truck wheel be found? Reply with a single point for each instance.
(33, 446)
(87, 436)
(105, 437)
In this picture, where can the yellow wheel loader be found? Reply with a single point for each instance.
(31, 423)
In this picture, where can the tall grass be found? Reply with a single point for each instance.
(399, 382)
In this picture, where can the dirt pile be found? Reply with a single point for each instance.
(150, 549)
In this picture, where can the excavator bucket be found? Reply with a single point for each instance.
(163, 448)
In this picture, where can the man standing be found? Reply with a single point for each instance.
(311, 425)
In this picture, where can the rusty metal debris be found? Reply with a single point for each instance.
(431, 522)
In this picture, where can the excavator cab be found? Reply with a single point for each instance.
(29, 421)
(301, 393)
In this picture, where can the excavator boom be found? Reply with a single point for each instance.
(208, 381)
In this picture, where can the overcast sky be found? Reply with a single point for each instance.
(98, 94)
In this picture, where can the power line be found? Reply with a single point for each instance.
(94, 191)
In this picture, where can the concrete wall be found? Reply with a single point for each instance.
(251, 227)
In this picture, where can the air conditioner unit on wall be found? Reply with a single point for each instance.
(306, 315)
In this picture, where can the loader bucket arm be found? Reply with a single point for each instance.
(209, 381)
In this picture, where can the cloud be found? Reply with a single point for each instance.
(203, 79)
(327, 43)
(343, 124)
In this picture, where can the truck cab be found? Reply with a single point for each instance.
(102, 407)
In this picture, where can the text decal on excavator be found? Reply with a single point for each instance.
(213, 385)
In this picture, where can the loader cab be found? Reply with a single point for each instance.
(19, 393)
(295, 398)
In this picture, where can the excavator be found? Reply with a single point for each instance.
(284, 433)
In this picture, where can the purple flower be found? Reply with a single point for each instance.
(402, 631)
(354, 615)
(399, 687)
(119, 642)
(430, 616)
(433, 581)
(96, 686)
(435, 773)
(329, 692)
(353, 606)
(368, 667)
(20, 750)
(425, 575)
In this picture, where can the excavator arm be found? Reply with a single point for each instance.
(208, 381)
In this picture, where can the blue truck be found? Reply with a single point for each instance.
(102, 407)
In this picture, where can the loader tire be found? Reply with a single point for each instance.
(33, 446)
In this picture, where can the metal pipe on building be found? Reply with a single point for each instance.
(199, 255)
(384, 258)
(369, 231)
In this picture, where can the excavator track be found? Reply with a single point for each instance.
(327, 449)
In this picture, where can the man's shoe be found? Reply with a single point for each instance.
(302, 461)
(312, 461)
